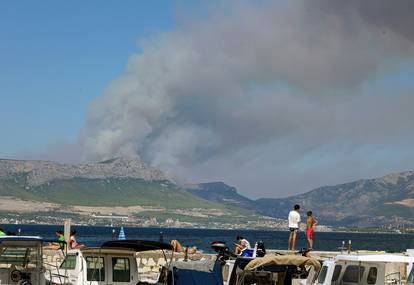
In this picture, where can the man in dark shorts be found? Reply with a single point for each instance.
(294, 223)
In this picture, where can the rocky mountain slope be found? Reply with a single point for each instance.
(130, 182)
(37, 172)
(114, 182)
(367, 202)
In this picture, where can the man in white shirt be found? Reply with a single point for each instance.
(294, 224)
(242, 245)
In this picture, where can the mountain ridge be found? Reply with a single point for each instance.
(388, 199)
(220, 192)
(364, 202)
(38, 172)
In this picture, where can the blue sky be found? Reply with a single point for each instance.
(56, 56)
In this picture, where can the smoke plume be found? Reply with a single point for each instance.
(275, 97)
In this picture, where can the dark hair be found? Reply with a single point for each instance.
(1, 230)
(239, 237)
(303, 251)
(59, 232)
(296, 207)
(72, 233)
(309, 213)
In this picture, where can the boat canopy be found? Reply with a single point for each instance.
(376, 258)
(28, 239)
(137, 245)
(106, 250)
(283, 260)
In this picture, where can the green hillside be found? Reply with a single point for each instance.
(107, 192)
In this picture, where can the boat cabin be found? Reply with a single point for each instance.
(21, 260)
(367, 269)
(114, 262)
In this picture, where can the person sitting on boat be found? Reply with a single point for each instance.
(242, 245)
(73, 244)
(177, 247)
(59, 244)
(2, 232)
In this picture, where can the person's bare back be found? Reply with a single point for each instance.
(310, 222)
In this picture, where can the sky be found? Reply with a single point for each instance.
(272, 97)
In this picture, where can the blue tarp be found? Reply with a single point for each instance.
(194, 277)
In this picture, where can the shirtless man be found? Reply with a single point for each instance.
(310, 222)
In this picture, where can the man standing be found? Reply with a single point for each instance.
(294, 223)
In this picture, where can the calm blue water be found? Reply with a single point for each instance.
(94, 236)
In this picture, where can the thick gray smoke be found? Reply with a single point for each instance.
(275, 97)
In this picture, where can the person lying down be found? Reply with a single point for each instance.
(177, 247)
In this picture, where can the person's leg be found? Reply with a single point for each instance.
(311, 238)
(290, 240)
(192, 250)
(293, 240)
(173, 244)
(177, 247)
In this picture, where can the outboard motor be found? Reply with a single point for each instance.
(220, 247)
(223, 251)
(261, 251)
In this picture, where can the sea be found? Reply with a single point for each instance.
(202, 238)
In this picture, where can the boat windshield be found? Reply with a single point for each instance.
(69, 262)
(25, 257)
